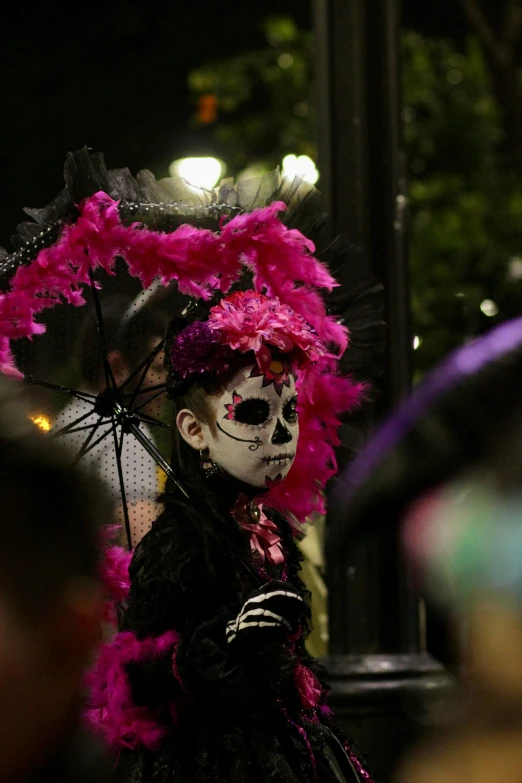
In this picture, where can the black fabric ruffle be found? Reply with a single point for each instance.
(244, 719)
(217, 750)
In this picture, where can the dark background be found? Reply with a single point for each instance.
(114, 76)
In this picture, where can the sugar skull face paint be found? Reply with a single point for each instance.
(255, 428)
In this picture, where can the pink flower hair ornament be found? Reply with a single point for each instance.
(241, 323)
(249, 321)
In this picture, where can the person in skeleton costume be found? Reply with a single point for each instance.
(208, 676)
(232, 686)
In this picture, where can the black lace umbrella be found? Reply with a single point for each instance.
(95, 373)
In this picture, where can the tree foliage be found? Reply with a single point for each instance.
(465, 197)
(264, 106)
(465, 184)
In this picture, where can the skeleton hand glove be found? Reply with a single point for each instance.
(272, 613)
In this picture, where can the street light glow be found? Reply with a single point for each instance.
(202, 172)
(300, 166)
(489, 307)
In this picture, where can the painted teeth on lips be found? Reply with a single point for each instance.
(279, 459)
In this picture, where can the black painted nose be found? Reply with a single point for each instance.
(281, 434)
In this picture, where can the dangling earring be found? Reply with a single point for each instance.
(207, 465)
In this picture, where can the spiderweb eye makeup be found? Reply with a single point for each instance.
(254, 411)
(290, 410)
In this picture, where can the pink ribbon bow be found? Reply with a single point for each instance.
(264, 534)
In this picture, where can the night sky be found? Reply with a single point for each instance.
(113, 76)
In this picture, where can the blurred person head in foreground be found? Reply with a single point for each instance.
(449, 425)
(50, 601)
(447, 467)
(464, 542)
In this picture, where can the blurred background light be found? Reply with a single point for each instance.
(200, 172)
(515, 268)
(417, 341)
(489, 307)
(285, 60)
(454, 76)
(300, 166)
(41, 421)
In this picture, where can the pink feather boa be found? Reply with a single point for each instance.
(114, 572)
(111, 712)
(202, 262)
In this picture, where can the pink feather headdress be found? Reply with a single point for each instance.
(284, 309)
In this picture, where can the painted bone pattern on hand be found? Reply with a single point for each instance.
(259, 612)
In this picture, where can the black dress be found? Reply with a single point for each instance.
(243, 717)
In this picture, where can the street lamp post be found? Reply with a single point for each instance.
(379, 668)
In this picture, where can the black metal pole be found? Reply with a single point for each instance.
(340, 57)
(377, 661)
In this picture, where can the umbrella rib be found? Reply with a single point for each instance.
(138, 387)
(140, 382)
(67, 427)
(142, 364)
(159, 460)
(153, 397)
(93, 445)
(122, 482)
(90, 398)
(84, 427)
(85, 444)
(120, 446)
(109, 377)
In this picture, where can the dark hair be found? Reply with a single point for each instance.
(185, 459)
(196, 391)
(48, 514)
(191, 393)
(209, 498)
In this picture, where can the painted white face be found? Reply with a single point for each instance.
(255, 428)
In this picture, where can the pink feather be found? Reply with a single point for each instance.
(111, 712)
(114, 572)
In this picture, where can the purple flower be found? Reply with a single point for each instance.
(197, 349)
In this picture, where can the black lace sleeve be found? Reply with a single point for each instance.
(173, 583)
(181, 580)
